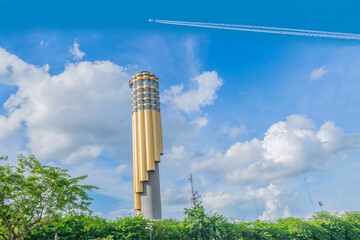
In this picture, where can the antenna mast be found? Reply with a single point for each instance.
(194, 194)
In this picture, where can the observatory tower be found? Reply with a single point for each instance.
(147, 144)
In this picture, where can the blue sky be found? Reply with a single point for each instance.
(246, 113)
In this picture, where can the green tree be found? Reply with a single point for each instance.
(202, 226)
(32, 195)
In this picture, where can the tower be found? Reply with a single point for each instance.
(147, 144)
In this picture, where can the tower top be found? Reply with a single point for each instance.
(143, 75)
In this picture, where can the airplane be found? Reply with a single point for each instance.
(151, 20)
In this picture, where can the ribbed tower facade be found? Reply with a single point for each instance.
(147, 144)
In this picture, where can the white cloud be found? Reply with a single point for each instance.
(318, 73)
(233, 132)
(9, 124)
(274, 209)
(75, 51)
(335, 140)
(269, 196)
(69, 116)
(83, 153)
(237, 155)
(12, 68)
(220, 200)
(202, 93)
(122, 168)
(201, 122)
(287, 149)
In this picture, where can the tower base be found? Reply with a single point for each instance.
(150, 198)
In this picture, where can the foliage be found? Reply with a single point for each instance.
(32, 195)
(337, 227)
(87, 227)
(72, 227)
(129, 228)
(169, 229)
(107, 238)
(198, 225)
(202, 226)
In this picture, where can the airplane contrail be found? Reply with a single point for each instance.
(262, 29)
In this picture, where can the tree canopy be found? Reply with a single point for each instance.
(33, 195)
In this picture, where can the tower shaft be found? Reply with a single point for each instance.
(147, 144)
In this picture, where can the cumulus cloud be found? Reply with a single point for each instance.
(335, 140)
(68, 116)
(318, 73)
(177, 101)
(82, 154)
(219, 200)
(201, 93)
(288, 148)
(236, 156)
(274, 209)
(269, 196)
(75, 51)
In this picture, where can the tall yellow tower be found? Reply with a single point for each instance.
(147, 144)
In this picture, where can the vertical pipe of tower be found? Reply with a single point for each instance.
(137, 204)
(160, 133)
(154, 114)
(150, 164)
(159, 119)
(141, 134)
(138, 187)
